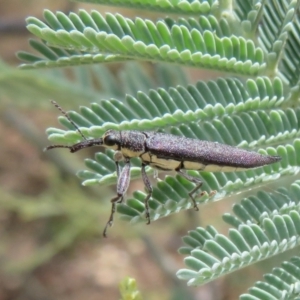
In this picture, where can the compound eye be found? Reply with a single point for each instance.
(110, 140)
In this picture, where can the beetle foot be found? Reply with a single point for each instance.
(148, 217)
(205, 193)
(212, 193)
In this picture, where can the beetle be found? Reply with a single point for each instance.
(166, 152)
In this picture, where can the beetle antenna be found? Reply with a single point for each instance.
(69, 119)
(81, 145)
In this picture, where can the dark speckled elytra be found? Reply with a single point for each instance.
(169, 153)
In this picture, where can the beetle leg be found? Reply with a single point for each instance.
(118, 156)
(122, 186)
(195, 180)
(149, 190)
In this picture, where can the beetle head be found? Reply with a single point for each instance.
(112, 139)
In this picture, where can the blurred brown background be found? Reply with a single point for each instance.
(50, 227)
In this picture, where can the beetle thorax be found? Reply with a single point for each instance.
(132, 143)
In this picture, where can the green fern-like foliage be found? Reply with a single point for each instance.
(282, 283)
(254, 106)
(263, 225)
